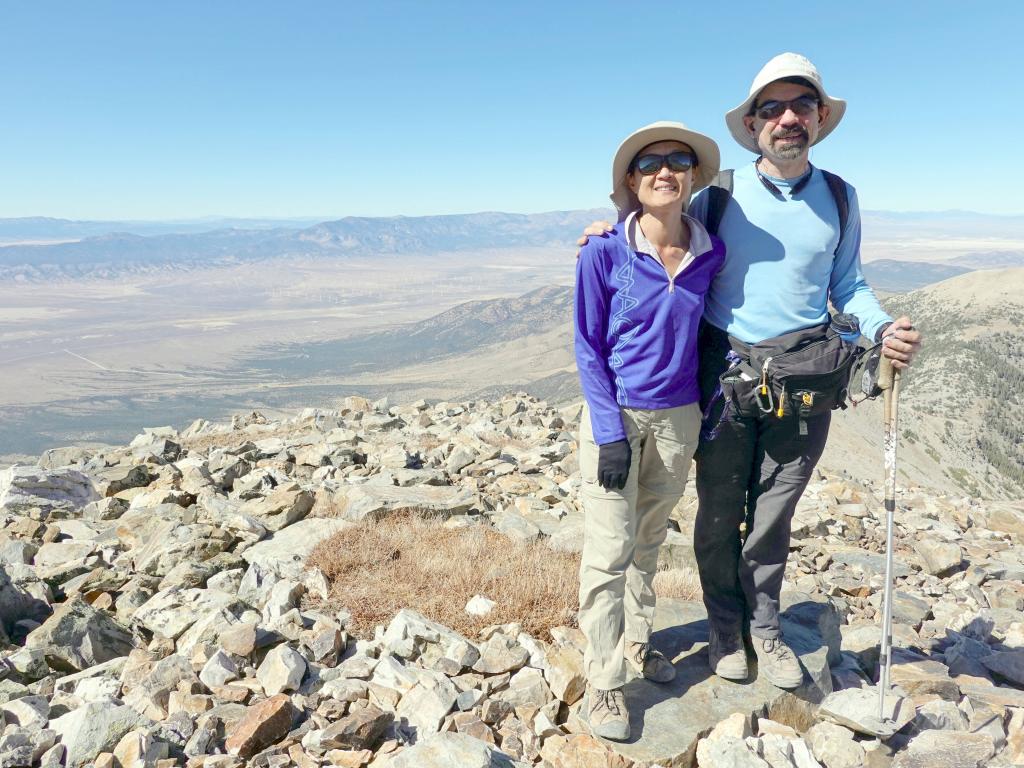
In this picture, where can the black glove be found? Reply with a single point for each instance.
(613, 465)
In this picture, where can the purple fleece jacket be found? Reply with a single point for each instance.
(636, 331)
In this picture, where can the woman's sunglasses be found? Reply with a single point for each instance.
(648, 165)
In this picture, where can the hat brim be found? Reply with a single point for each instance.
(708, 160)
(734, 120)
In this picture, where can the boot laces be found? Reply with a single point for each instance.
(609, 700)
(645, 653)
(776, 648)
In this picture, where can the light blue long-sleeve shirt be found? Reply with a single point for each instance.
(781, 265)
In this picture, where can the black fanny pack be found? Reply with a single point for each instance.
(804, 373)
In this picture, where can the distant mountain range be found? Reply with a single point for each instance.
(45, 228)
(114, 249)
(112, 254)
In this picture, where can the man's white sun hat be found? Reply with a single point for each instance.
(783, 65)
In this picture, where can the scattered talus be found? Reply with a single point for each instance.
(158, 610)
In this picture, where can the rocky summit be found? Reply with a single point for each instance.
(158, 609)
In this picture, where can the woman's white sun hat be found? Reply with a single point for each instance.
(783, 65)
(704, 147)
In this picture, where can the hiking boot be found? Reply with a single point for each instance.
(606, 713)
(649, 663)
(727, 656)
(778, 663)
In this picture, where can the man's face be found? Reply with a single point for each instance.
(788, 136)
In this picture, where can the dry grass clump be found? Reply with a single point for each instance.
(683, 583)
(409, 561)
(406, 561)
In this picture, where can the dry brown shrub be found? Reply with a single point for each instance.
(406, 561)
(410, 561)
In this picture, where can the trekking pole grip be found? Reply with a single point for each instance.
(885, 373)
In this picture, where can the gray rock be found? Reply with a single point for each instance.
(410, 625)
(57, 492)
(939, 715)
(281, 670)
(920, 677)
(77, 637)
(284, 596)
(940, 558)
(53, 458)
(21, 747)
(375, 502)
(60, 553)
(93, 728)
(170, 612)
(1007, 664)
(865, 563)
(526, 688)
(426, 705)
(219, 669)
(517, 527)
(150, 696)
(443, 750)
(997, 695)
(730, 752)
(906, 608)
(857, 709)
(391, 673)
(280, 508)
(945, 748)
(23, 596)
(31, 712)
(109, 508)
(17, 551)
(500, 654)
(201, 741)
(862, 640)
(834, 746)
(120, 478)
(286, 551)
(108, 670)
(469, 699)
(30, 663)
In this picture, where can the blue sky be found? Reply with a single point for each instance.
(183, 109)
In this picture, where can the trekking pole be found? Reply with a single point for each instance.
(889, 382)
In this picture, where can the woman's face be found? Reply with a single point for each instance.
(665, 189)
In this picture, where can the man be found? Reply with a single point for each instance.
(786, 258)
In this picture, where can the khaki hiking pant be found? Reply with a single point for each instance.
(623, 531)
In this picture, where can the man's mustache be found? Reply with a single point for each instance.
(789, 133)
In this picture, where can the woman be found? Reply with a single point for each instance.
(639, 298)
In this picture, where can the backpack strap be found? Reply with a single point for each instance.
(838, 189)
(719, 192)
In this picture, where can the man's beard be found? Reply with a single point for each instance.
(792, 149)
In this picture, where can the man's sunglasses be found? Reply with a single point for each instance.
(648, 165)
(801, 105)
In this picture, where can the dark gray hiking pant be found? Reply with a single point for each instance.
(755, 469)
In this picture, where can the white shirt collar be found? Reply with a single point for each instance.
(700, 240)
